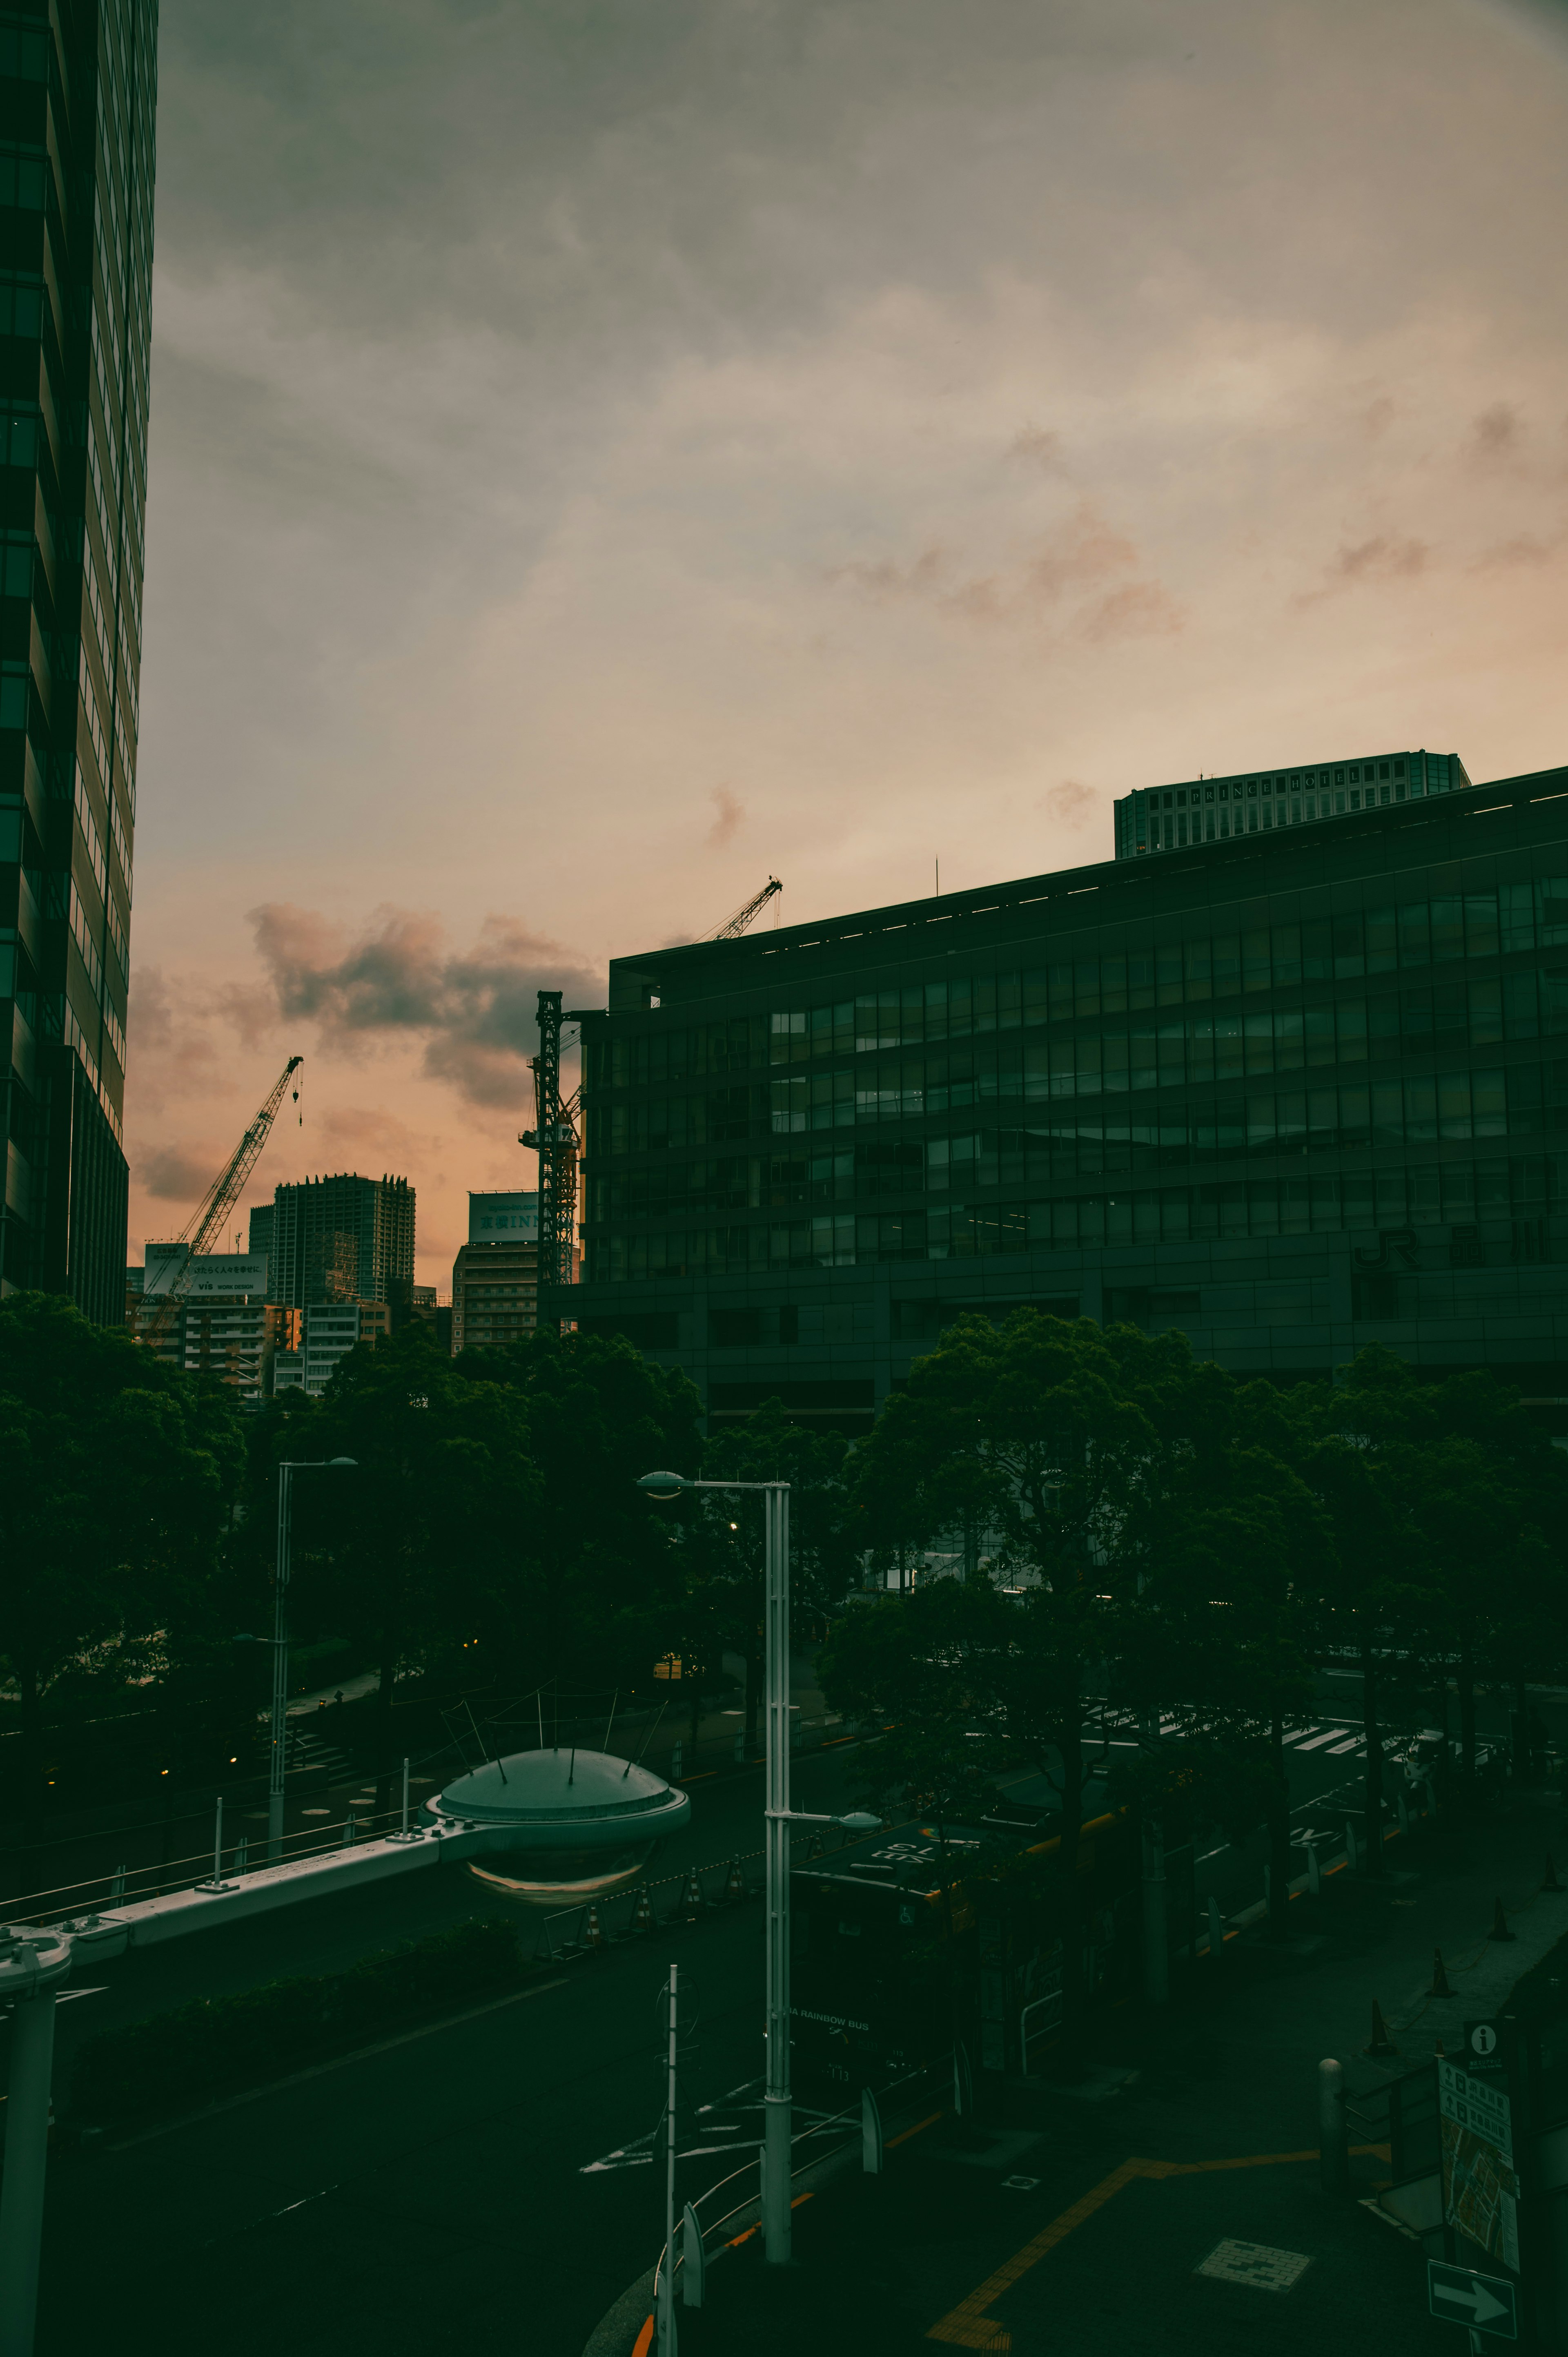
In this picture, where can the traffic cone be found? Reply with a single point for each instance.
(1551, 1882)
(1380, 2041)
(734, 1882)
(1500, 1930)
(692, 1903)
(593, 1931)
(643, 1918)
(1439, 1976)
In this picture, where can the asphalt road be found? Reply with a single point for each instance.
(495, 2175)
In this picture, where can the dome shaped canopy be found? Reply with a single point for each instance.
(547, 1795)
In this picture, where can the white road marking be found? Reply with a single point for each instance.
(1336, 1749)
(1320, 1739)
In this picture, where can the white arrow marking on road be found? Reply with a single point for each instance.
(1480, 2300)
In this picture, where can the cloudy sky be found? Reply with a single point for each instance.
(602, 453)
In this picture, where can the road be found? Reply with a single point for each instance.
(490, 2175)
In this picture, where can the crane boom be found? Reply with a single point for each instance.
(734, 926)
(211, 1216)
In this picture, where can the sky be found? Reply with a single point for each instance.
(604, 455)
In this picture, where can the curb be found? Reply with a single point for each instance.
(616, 2333)
(618, 2327)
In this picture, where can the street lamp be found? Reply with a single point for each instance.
(778, 2104)
(286, 1472)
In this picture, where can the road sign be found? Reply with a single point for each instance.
(1459, 2295)
(1481, 2039)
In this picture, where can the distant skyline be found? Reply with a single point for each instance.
(596, 463)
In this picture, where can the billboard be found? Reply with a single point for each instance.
(210, 1273)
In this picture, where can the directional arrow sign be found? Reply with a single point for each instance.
(1459, 2295)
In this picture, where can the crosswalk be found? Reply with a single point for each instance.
(1333, 1738)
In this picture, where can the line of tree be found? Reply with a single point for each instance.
(1187, 1548)
(1161, 1537)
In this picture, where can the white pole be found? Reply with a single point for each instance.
(280, 1670)
(218, 1846)
(31, 1962)
(405, 1800)
(777, 2113)
(666, 2279)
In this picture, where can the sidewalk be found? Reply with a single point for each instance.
(1082, 2222)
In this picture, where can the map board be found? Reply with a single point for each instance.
(1480, 2190)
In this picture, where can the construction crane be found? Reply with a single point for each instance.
(555, 1137)
(211, 1218)
(733, 927)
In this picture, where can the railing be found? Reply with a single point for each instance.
(1401, 2114)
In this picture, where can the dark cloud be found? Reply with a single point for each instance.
(1070, 802)
(729, 816)
(476, 1012)
(1495, 435)
(1386, 557)
(1067, 566)
(1040, 448)
(180, 1173)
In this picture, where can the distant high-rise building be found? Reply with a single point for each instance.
(78, 89)
(340, 1239)
(260, 1235)
(1214, 809)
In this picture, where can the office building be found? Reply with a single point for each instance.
(1306, 1091)
(495, 1293)
(1214, 809)
(328, 1332)
(340, 1239)
(78, 85)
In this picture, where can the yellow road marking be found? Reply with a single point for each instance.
(907, 2133)
(968, 2327)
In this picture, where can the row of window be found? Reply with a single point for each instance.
(1526, 1190)
(1187, 1052)
(1444, 1107)
(1283, 781)
(1386, 938)
(1169, 833)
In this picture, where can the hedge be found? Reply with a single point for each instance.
(215, 2045)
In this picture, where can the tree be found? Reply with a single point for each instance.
(117, 1474)
(595, 1589)
(723, 1548)
(1033, 1432)
(426, 1534)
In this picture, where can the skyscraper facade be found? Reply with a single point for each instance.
(78, 91)
(339, 1239)
(1294, 1091)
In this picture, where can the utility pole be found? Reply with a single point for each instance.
(777, 2102)
(667, 2280)
(1157, 1936)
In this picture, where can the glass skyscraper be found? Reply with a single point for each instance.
(1291, 1091)
(78, 92)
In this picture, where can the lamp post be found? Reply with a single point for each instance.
(286, 1472)
(778, 2103)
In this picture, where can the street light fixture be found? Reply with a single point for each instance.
(279, 1753)
(777, 2114)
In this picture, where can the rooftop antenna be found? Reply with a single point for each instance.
(612, 1719)
(480, 1739)
(646, 1740)
(572, 1770)
(539, 1705)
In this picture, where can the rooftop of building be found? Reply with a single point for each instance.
(1376, 841)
